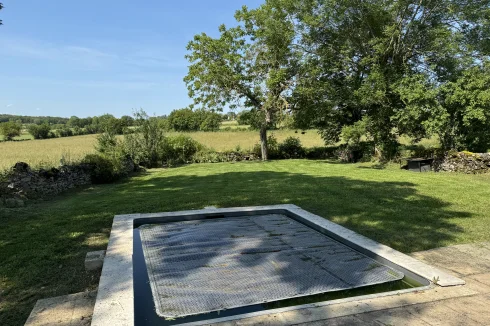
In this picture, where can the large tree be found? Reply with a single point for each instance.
(357, 53)
(252, 65)
(10, 129)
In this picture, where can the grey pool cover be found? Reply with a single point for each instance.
(202, 266)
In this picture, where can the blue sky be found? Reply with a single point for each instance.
(85, 58)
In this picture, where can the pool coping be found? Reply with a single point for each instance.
(114, 303)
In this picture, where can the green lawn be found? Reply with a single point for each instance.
(42, 246)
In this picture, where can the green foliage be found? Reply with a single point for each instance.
(186, 120)
(272, 148)
(252, 117)
(457, 111)
(10, 129)
(352, 134)
(40, 131)
(291, 148)
(106, 143)
(104, 169)
(211, 122)
(144, 145)
(251, 65)
(183, 120)
(382, 60)
(179, 149)
(64, 131)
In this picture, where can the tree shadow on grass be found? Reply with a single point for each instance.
(42, 246)
(393, 213)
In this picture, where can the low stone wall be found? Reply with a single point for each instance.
(22, 183)
(464, 162)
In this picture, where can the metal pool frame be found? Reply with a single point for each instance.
(115, 301)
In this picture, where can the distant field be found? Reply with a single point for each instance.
(49, 152)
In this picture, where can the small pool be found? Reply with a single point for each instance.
(220, 265)
(213, 265)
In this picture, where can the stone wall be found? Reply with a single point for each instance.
(22, 183)
(465, 162)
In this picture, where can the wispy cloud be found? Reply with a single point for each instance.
(79, 55)
(9, 105)
(87, 57)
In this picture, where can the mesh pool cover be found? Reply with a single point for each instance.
(202, 266)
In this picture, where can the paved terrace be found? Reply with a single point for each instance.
(458, 305)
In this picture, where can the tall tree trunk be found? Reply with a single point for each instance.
(263, 142)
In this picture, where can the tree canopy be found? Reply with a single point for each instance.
(415, 67)
(251, 65)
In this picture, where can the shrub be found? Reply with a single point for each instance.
(106, 143)
(64, 132)
(10, 129)
(272, 146)
(208, 156)
(144, 145)
(179, 149)
(291, 148)
(104, 170)
(325, 152)
(40, 131)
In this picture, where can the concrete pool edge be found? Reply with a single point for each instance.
(114, 303)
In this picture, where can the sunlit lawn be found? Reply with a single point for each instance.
(42, 246)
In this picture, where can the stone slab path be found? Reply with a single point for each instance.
(69, 310)
(470, 262)
(458, 305)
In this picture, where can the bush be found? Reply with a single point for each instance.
(208, 156)
(10, 129)
(272, 147)
(144, 145)
(40, 131)
(64, 132)
(179, 149)
(291, 148)
(104, 170)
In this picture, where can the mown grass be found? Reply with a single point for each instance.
(48, 152)
(42, 246)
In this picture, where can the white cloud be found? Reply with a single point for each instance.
(9, 105)
(38, 109)
(81, 56)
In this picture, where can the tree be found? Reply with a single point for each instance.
(251, 65)
(74, 121)
(10, 129)
(183, 120)
(457, 111)
(40, 131)
(356, 54)
(1, 7)
(211, 122)
(126, 121)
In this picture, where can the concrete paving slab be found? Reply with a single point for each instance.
(482, 279)
(451, 258)
(477, 308)
(69, 310)
(342, 321)
(439, 313)
(399, 317)
(355, 307)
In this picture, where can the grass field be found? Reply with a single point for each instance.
(42, 246)
(49, 152)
